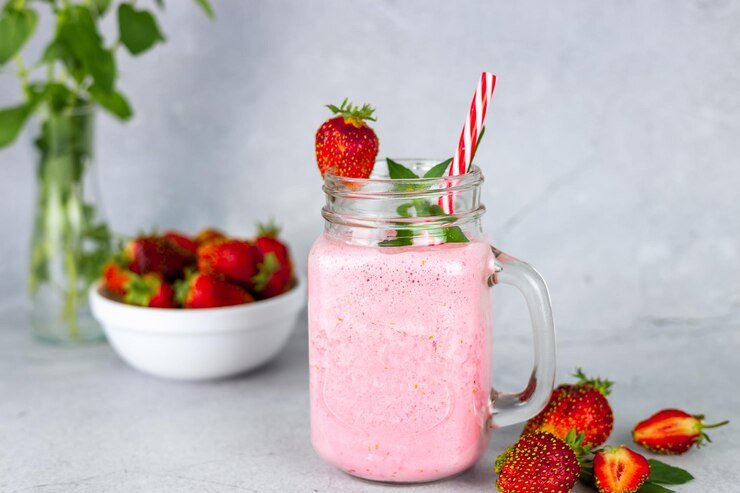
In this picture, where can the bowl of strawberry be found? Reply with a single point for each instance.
(202, 307)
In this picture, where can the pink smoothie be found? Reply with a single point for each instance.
(399, 357)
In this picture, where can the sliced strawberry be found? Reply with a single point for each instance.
(672, 431)
(619, 470)
(205, 291)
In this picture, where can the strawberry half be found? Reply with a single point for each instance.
(672, 431)
(233, 260)
(582, 407)
(150, 290)
(345, 144)
(155, 254)
(619, 470)
(204, 291)
(538, 462)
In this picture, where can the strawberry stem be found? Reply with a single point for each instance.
(353, 114)
(601, 384)
(716, 425)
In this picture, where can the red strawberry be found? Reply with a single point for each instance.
(672, 431)
(183, 241)
(272, 278)
(234, 260)
(619, 470)
(154, 254)
(538, 462)
(267, 242)
(204, 291)
(582, 407)
(345, 145)
(150, 290)
(116, 278)
(208, 235)
(275, 274)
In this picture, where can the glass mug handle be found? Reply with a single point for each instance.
(507, 408)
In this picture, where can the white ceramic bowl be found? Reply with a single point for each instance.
(199, 344)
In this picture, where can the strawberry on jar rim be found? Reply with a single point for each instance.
(346, 145)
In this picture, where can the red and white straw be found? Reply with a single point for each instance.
(469, 135)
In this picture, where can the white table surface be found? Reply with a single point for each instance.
(78, 419)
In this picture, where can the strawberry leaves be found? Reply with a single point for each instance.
(353, 114)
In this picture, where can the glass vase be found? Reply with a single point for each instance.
(70, 241)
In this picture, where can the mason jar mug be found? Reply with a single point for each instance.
(400, 332)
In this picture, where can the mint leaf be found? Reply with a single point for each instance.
(398, 171)
(660, 472)
(404, 237)
(438, 169)
(11, 122)
(454, 234)
(649, 487)
(101, 6)
(207, 8)
(138, 29)
(114, 102)
(16, 28)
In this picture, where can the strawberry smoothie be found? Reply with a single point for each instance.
(400, 357)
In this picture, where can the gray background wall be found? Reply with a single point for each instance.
(611, 153)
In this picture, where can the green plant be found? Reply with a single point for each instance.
(75, 73)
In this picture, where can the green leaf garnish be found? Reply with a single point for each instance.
(650, 487)
(438, 170)
(16, 28)
(138, 29)
(115, 102)
(11, 122)
(404, 237)
(205, 5)
(660, 472)
(398, 171)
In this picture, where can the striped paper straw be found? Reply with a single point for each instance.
(469, 136)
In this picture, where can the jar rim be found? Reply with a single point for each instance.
(384, 185)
